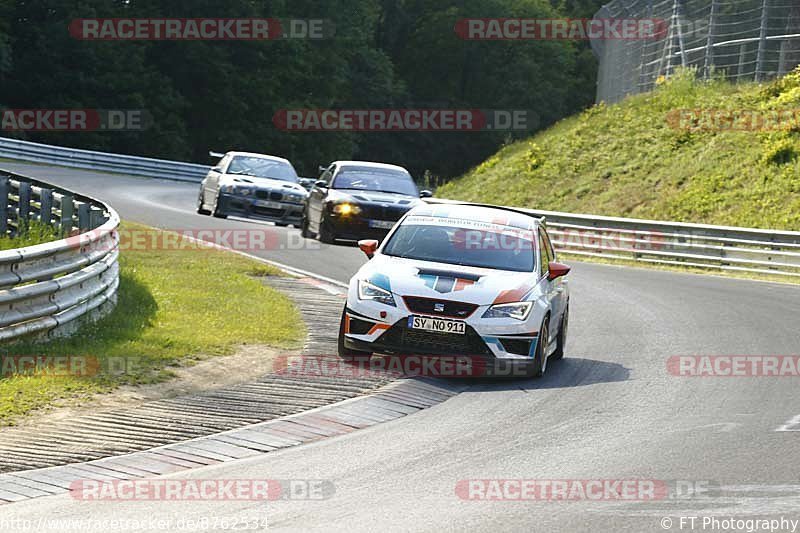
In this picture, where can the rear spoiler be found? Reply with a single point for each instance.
(216, 154)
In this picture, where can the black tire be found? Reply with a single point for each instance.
(561, 340)
(216, 212)
(326, 234)
(304, 231)
(539, 364)
(346, 353)
(201, 209)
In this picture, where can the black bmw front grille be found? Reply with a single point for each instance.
(400, 339)
(430, 306)
(383, 212)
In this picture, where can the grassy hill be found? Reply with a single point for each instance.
(634, 159)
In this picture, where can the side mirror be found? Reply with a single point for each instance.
(557, 270)
(425, 193)
(321, 168)
(369, 247)
(322, 184)
(217, 169)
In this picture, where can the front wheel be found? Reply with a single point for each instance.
(201, 209)
(216, 211)
(344, 352)
(304, 231)
(326, 234)
(539, 363)
(562, 336)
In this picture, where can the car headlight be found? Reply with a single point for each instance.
(368, 291)
(346, 208)
(518, 310)
(233, 189)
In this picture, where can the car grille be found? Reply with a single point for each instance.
(269, 195)
(400, 339)
(516, 346)
(360, 327)
(384, 212)
(429, 305)
(268, 211)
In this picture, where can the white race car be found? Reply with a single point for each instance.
(460, 280)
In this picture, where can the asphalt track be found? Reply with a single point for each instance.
(609, 411)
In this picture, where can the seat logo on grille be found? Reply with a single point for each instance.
(439, 308)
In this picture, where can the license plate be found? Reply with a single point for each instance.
(437, 325)
(268, 204)
(381, 224)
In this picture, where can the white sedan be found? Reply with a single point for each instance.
(460, 280)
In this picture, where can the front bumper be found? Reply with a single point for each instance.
(395, 337)
(251, 207)
(356, 227)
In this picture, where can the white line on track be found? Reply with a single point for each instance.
(791, 425)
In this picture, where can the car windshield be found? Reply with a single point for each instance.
(369, 179)
(490, 246)
(260, 167)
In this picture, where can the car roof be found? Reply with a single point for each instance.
(369, 164)
(504, 216)
(261, 156)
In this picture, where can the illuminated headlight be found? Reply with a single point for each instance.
(346, 209)
(368, 291)
(518, 310)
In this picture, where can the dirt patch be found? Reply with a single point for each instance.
(248, 363)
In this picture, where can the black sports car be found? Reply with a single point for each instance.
(355, 200)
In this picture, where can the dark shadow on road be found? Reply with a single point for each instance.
(566, 373)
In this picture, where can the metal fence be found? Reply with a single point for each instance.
(44, 288)
(720, 248)
(101, 161)
(738, 39)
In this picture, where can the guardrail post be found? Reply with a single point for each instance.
(83, 217)
(24, 207)
(46, 209)
(96, 218)
(67, 210)
(4, 190)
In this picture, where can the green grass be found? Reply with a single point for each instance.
(34, 233)
(173, 307)
(627, 160)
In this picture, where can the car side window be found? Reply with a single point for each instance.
(544, 262)
(548, 246)
(223, 163)
(328, 174)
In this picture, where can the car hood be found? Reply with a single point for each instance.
(373, 197)
(482, 286)
(260, 183)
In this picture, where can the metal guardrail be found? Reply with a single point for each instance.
(101, 161)
(46, 287)
(672, 243)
